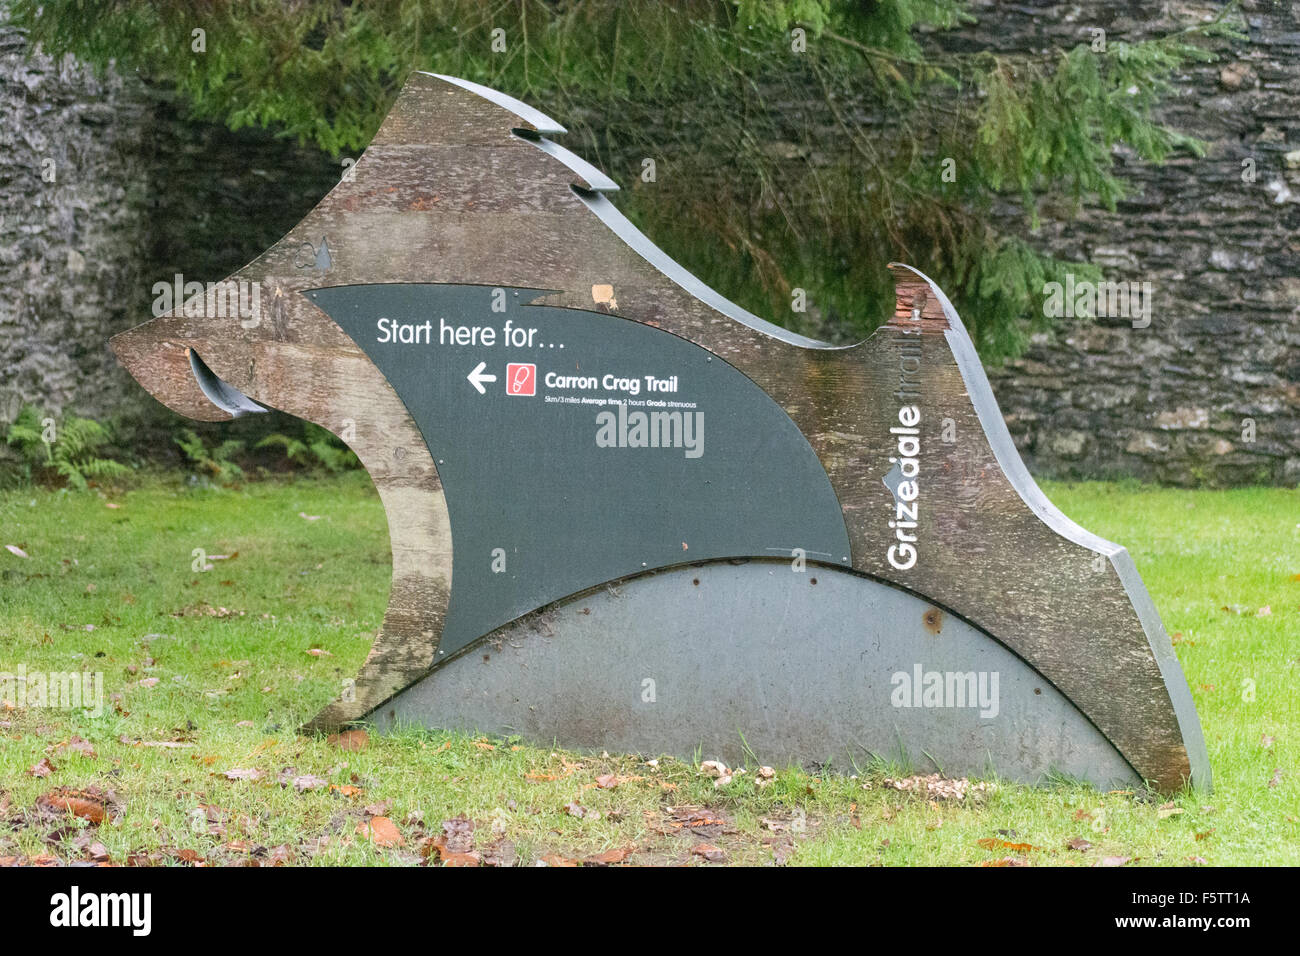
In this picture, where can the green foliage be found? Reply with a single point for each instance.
(317, 448)
(213, 463)
(228, 461)
(67, 451)
(1045, 124)
(818, 195)
(1008, 280)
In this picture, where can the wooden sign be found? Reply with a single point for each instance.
(627, 514)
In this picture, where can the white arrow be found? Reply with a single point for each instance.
(477, 378)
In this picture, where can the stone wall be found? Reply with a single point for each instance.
(140, 194)
(69, 229)
(1175, 402)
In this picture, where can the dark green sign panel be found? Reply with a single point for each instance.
(578, 447)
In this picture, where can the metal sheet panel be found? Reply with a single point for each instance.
(823, 666)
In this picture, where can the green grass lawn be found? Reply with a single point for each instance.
(218, 665)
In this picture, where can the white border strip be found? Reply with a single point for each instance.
(536, 118)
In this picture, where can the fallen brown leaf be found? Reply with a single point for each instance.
(241, 774)
(458, 834)
(381, 831)
(455, 842)
(278, 855)
(936, 787)
(76, 745)
(610, 857)
(350, 740)
(710, 852)
(79, 803)
(991, 844)
(501, 853)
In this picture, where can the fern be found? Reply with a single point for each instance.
(25, 436)
(71, 449)
(317, 448)
(215, 464)
(327, 450)
(294, 450)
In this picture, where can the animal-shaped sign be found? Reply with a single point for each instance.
(627, 514)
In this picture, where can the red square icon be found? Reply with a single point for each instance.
(521, 378)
